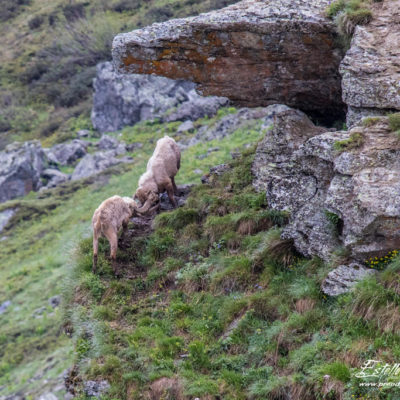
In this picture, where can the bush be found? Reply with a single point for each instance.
(11, 8)
(394, 122)
(36, 22)
(74, 11)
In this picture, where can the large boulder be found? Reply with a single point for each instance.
(370, 70)
(343, 278)
(93, 164)
(254, 52)
(123, 100)
(341, 188)
(20, 169)
(67, 153)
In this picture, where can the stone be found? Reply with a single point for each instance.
(180, 197)
(134, 146)
(186, 126)
(255, 53)
(214, 173)
(54, 177)
(83, 133)
(4, 306)
(67, 153)
(107, 142)
(343, 278)
(124, 100)
(301, 171)
(95, 163)
(55, 301)
(196, 107)
(370, 70)
(5, 217)
(20, 169)
(48, 396)
(96, 388)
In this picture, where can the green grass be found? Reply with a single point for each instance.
(355, 140)
(230, 312)
(348, 14)
(40, 246)
(394, 122)
(49, 53)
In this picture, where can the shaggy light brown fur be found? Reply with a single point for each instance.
(110, 216)
(162, 167)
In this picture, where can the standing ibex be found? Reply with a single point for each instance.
(162, 167)
(110, 216)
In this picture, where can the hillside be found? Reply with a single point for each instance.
(277, 276)
(49, 52)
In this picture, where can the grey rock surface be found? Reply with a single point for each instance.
(370, 70)
(343, 278)
(5, 217)
(55, 301)
(123, 100)
(96, 388)
(20, 169)
(254, 52)
(54, 177)
(92, 164)
(301, 171)
(67, 153)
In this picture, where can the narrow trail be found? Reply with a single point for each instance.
(140, 228)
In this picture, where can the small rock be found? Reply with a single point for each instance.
(47, 396)
(96, 388)
(55, 301)
(186, 126)
(54, 177)
(202, 156)
(39, 311)
(198, 171)
(83, 133)
(343, 278)
(95, 163)
(134, 146)
(5, 217)
(212, 149)
(107, 142)
(4, 306)
(67, 153)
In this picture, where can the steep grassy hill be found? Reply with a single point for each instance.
(37, 250)
(215, 305)
(48, 55)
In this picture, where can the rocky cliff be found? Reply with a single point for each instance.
(341, 188)
(253, 52)
(123, 100)
(371, 68)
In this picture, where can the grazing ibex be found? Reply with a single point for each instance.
(162, 167)
(110, 216)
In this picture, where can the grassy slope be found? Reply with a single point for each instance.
(36, 256)
(225, 309)
(49, 51)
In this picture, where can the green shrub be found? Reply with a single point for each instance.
(93, 284)
(348, 14)
(177, 219)
(161, 243)
(337, 370)
(355, 140)
(198, 355)
(394, 122)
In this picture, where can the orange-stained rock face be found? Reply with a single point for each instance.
(254, 52)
